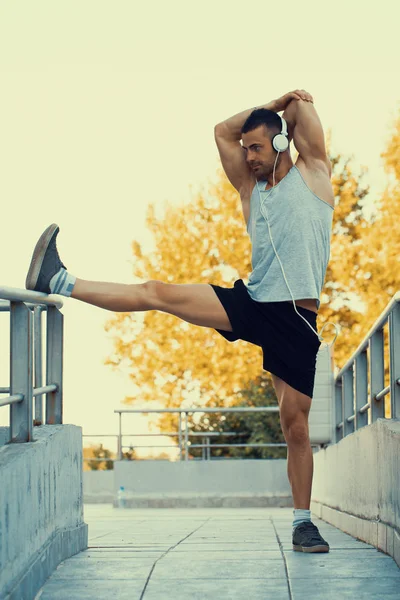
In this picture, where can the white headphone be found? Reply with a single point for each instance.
(280, 141)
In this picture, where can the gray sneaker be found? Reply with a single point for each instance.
(45, 261)
(306, 538)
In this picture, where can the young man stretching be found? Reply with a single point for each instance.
(297, 216)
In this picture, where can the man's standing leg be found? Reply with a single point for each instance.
(294, 408)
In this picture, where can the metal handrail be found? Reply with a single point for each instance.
(351, 382)
(26, 370)
(183, 432)
(206, 435)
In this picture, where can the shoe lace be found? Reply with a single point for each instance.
(311, 529)
(53, 253)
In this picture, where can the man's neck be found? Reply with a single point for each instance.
(283, 167)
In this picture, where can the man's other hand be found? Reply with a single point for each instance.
(283, 102)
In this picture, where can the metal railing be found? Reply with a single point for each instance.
(351, 383)
(204, 445)
(183, 433)
(26, 370)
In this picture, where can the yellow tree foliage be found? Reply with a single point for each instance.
(97, 452)
(347, 252)
(168, 358)
(365, 257)
(377, 278)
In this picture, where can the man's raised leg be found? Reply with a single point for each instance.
(195, 303)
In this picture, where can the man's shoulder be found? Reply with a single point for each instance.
(317, 176)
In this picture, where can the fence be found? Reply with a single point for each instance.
(183, 434)
(26, 370)
(351, 382)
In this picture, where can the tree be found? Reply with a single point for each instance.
(168, 358)
(129, 454)
(366, 261)
(98, 452)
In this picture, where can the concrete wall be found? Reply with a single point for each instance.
(4, 435)
(41, 508)
(159, 483)
(356, 485)
(98, 487)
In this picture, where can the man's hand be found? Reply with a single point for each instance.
(282, 103)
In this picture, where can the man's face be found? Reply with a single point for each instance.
(259, 153)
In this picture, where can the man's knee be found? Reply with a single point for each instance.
(296, 431)
(294, 410)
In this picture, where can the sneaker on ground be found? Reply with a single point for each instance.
(45, 262)
(306, 538)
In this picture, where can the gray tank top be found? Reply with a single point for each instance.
(301, 226)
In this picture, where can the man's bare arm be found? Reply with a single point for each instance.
(305, 127)
(228, 134)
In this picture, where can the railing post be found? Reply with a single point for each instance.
(377, 374)
(120, 437)
(54, 365)
(361, 389)
(348, 400)
(38, 381)
(394, 348)
(21, 426)
(180, 436)
(186, 436)
(338, 409)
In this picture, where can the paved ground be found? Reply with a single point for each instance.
(223, 554)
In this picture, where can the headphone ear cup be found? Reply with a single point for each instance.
(280, 142)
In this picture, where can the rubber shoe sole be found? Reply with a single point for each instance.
(321, 548)
(38, 256)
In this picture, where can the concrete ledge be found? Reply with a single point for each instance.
(4, 435)
(63, 544)
(221, 478)
(378, 534)
(356, 485)
(207, 500)
(98, 487)
(99, 498)
(41, 508)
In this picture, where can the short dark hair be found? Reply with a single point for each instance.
(263, 116)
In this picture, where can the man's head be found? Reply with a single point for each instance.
(257, 133)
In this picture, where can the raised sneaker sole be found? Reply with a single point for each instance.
(38, 256)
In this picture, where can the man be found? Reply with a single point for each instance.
(247, 313)
(303, 197)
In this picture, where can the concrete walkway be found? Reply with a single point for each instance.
(211, 553)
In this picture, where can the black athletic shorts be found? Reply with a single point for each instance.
(289, 346)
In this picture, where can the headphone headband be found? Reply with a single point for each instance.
(280, 141)
(284, 125)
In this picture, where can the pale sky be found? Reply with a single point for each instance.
(108, 106)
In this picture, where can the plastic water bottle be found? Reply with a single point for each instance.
(121, 497)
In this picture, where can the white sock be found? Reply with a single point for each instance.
(62, 283)
(301, 515)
